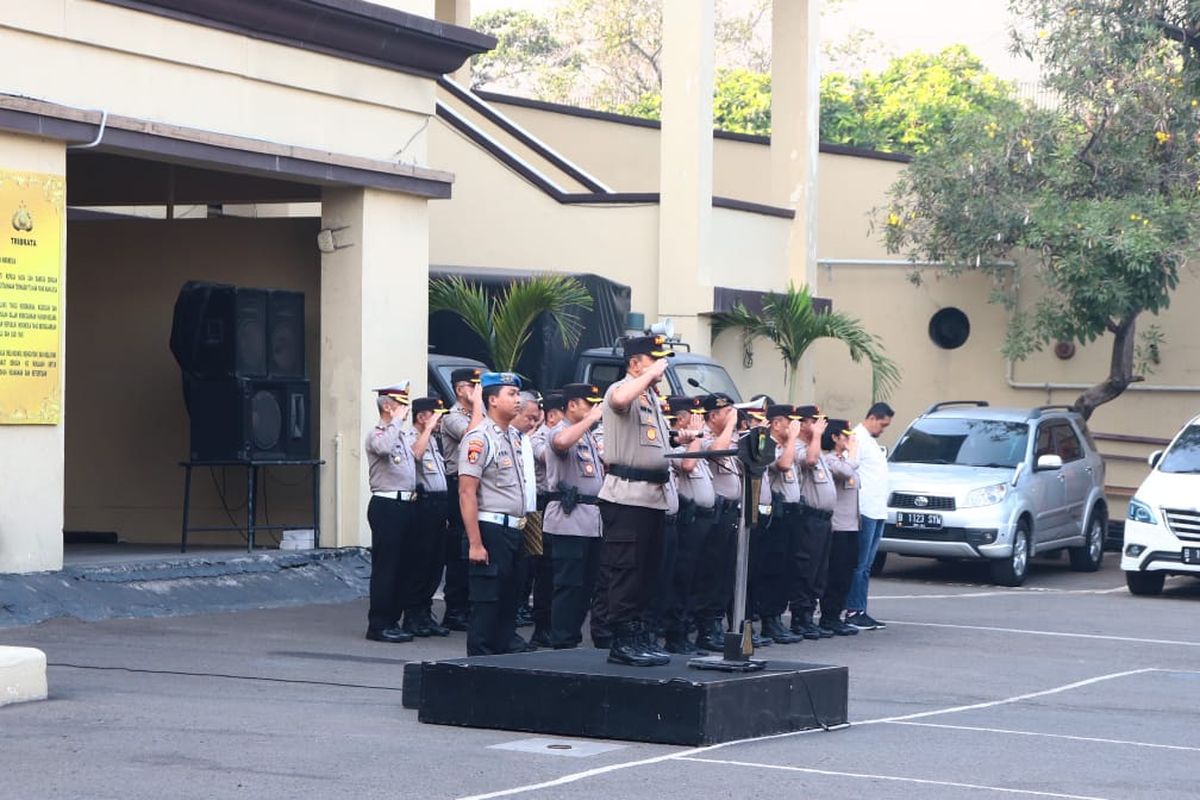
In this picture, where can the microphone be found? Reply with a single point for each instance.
(698, 385)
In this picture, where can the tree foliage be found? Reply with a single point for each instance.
(1097, 200)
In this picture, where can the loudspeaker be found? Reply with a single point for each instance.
(285, 334)
(249, 419)
(220, 330)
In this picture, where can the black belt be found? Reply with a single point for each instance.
(568, 497)
(701, 511)
(659, 476)
(818, 513)
(424, 495)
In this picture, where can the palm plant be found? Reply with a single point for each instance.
(504, 323)
(789, 322)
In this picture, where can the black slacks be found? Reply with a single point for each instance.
(495, 589)
(772, 564)
(576, 562)
(843, 558)
(716, 565)
(633, 547)
(680, 573)
(391, 522)
(811, 554)
(455, 590)
(427, 550)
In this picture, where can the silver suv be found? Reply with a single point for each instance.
(967, 481)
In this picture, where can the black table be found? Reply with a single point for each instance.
(252, 525)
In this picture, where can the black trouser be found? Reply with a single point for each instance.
(683, 570)
(633, 545)
(542, 569)
(455, 590)
(716, 564)
(843, 558)
(391, 523)
(772, 562)
(656, 617)
(576, 562)
(428, 550)
(811, 555)
(495, 589)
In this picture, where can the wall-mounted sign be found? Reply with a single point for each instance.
(32, 214)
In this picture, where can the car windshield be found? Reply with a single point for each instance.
(965, 442)
(1184, 455)
(710, 378)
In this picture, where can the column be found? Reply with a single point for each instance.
(374, 331)
(32, 477)
(686, 149)
(456, 12)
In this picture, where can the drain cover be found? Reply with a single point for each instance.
(572, 748)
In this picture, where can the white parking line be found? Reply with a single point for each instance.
(996, 629)
(893, 778)
(998, 593)
(684, 754)
(1090, 739)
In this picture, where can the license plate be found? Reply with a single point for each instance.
(1191, 555)
(927, 522)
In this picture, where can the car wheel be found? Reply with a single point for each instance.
(1088, 556)
(877, 564)
(1011, 571)
(1145, 583)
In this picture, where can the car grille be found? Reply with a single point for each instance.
(1184, 524)
(903, 500)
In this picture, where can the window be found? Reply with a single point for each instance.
(1045, 442)
(1067, 444)
(1184, 455)
(967, 442)
(708, 377)
(605, 375)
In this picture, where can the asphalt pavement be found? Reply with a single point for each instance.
(1068, 687)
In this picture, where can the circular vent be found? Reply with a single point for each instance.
(949, 328)
(266, 420)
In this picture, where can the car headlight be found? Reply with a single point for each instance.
(1140, 512)
(987, 496)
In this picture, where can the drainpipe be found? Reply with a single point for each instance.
(1048, 387)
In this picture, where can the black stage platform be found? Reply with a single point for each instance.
(578, 693)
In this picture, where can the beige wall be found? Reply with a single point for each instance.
(127, 427)
(31, 456)
(94, 55)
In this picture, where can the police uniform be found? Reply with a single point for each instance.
(492, 453)
(393, 482)
(428, 550)
(454, 427)
(717, 559)
(634, 499)
(843, 547)
(773, 541)
(541, 559)
(571, 524)
(813, 534)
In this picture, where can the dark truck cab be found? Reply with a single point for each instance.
(688, 374)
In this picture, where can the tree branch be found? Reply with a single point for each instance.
(1120, 371)
(1177, 33)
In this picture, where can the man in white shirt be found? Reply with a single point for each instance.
(872, 509)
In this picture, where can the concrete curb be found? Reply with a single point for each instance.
(22, 675)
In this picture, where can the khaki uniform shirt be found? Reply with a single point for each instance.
(431, 468)
(493, 455)
(726, 471)
(696, 485)
(636, 437)
(781, 481)
(845, 480)
(580, 466)
(540, 439)
(454, 428)
(816, 482)
(390, 460)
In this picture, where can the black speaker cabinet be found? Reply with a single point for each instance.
(244, 419)
(220, 331)
(285, 334)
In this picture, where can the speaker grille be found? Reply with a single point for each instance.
(266, 420)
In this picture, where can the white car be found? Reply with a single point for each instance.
(1162, 528)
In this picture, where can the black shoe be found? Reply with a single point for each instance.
(860, 620)
(773, 627)
(602, 642)
(835, 627)
(679, 644)
(760, 641)
(391, 635)
(518, 645)
(872, 621)
(627, 650)
(456, 620)
(434, 628)
(710, 636)
(541, 638)
(649, 644)
(524, 617)
(803, 625)
(414, 623)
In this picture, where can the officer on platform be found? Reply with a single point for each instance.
(393, 480)
(718, 553)
(464, 415)
(693, 523)
(428, 542)
(634, 498)
(491, 495)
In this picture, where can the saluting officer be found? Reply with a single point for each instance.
(428, 550)
(635, 498)
(393, 480)
(464, 415)
(491, 495)
(774, 538)
(715, 576)
(571, 523)
(814, 531)
(693, 523)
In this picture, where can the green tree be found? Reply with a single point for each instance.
(792, 325)
(504, 324)
(1096, 200)
(526, 48)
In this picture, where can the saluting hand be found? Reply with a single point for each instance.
(793, 430)
(477, 395)
(658, 368)
(819, 425)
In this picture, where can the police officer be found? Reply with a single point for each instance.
(427, 553)
(491, 495)
(393, 480)
(811, 548)
(717, 558)
(634, 498)
(841, 455)
(541, 578)
(464, 415)
(571, 523)
(773, 541)
(693, 523)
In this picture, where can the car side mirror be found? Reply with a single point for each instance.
(1154, 458)
(1049, 462)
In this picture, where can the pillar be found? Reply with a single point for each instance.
(374, 332)
(456, 12)
(32, 475)
(686, 150)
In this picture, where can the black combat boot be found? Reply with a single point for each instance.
(772, 626)
(649, 644)
(803, 625)
(627, 650)
(710, 635)
(435, 627)
(414, 623)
